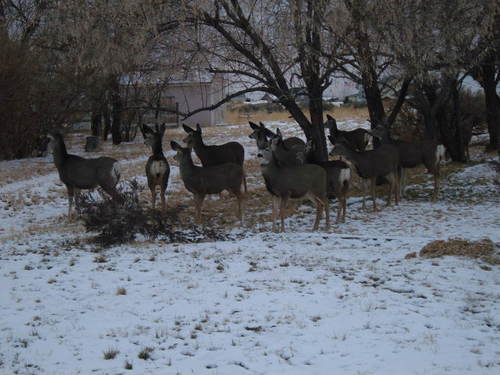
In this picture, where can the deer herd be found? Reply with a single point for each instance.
(288, 165)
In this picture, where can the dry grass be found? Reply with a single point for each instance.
(340, 113)
(484, 249)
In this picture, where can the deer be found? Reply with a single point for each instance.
(284, 183)
(286, 156)
(412, 154)
(358, 138)
(231, 152)
(338, 177)
(381, 162)
(208, 180)
(157, 167)
(78, 173)
(261, 134)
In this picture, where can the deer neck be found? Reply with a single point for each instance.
(60, 153)
(157, 149)
(186, 165)
(199, 145)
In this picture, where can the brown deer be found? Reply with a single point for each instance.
(338, 179)
(79, 173)
(208, 180)
(381, 162)
(231, 152)
(358, 138)
(412, 154)
(157, 168)
(286, 156)
(284, 183)
(262, 135)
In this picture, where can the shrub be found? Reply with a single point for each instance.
(121, 223)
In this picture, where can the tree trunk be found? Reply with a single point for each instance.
(492, 102)
(373, 101)
(96, 123)
(116, 101)
(317, 129)
(107, 122)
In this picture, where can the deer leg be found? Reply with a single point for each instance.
(326, 207)
(71, 195)
(339, 210)
(402, 183)
(198, 201)
(398, 189)
(365, 187)
(390, 177)
(239, 198)
(319, 210)
(275, 211)
(153, 195)
(162, 196)
(344, 207)
(436, 186)
(282, 212)
(244, 181)
(373, 181)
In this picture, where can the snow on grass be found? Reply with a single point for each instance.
(344, 302)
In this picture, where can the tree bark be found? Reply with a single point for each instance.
(492, 103)
(116, 102)
(107, 122)
(96, 123)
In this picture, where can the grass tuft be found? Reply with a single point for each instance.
(110, 354)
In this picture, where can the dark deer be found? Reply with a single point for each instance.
(338, 179)
(412, 154)
(157, 168)
(208, 180)
(284, 183)
(358, 139)
(79, 173)
(286, 156)
(231, 152)
(381, 162)
(262, 135)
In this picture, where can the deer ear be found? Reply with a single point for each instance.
(175, 146)
(262, 124)
(253, 125)
(187, 129)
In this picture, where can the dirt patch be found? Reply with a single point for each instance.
(484, 249)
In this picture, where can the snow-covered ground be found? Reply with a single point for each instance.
(342, 302)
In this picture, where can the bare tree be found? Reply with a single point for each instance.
(271, 47)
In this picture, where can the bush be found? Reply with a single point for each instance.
(121, 223)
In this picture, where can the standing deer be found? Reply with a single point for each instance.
(358, 138)
(80, 173)
(231, 152)
(338, 179)
(262, 135)
(284, 183)
(157, 168)
(412, 154)
(286, 156)
(208, 180)
(381, 162)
